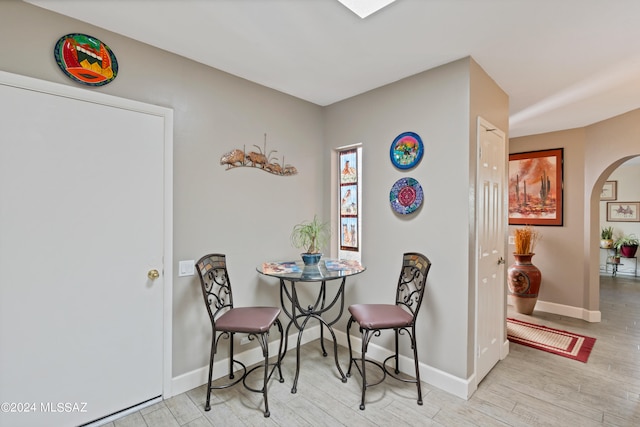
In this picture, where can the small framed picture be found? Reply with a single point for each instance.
(623, 211)
(349, 233)
(609, 191)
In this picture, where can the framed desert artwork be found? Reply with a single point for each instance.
(536, 188)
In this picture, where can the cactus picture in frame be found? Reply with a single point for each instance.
(535, 187)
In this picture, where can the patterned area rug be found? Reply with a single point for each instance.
(563, 343)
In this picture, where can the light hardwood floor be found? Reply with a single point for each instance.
(528, 388)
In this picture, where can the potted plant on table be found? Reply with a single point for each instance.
(626, 245)
(606, 238)
(311, 236)
(523, 277)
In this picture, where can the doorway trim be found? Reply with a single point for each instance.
(57, 89)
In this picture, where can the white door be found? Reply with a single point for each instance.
(490, 308)
(81, 225)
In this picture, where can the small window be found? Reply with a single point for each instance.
(350, 202)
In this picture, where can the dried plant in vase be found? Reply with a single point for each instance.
(526, 239)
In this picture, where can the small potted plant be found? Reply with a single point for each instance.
(311, 236)
(606, 238)
(626, 245)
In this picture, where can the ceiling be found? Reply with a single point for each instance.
(563, 63)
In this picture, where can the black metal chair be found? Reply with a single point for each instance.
(227, 320)
(401, 317)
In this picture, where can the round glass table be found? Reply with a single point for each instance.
(298, 281)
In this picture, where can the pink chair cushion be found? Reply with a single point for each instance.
(380, 316)
(251, 320)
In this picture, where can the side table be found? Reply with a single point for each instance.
(293, 276)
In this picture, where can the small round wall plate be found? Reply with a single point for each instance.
(406, 150)
(406, 195)
(85, 59)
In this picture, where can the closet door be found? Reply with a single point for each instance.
(491, 227)
(81, 227)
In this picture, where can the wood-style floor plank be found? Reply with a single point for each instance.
(528, 388)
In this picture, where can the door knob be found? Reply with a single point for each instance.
(153, 274)
(501, 261)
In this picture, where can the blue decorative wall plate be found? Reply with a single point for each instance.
(406, 150)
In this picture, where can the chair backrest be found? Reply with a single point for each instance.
(412, 282)
(216, 287)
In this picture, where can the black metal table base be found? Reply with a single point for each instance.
(300, 316)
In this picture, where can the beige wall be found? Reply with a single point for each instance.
(627, 177)
(561, 281)
(248, 214)
(435, 105)
(442, 106)
(608, 143)
(591, 154)
(492, 104)
(245, 213)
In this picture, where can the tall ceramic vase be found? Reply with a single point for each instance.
(524, 283)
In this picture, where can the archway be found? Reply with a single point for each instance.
(623, 175)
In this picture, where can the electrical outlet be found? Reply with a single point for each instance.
(244, 341)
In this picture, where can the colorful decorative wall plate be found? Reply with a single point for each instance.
(86, 59)
(406, 195)
(406, 150)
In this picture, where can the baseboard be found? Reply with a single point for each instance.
(108, 419)
(459, 387)
(565, 310)
(198, 377)
(462, 388)
(504, 350)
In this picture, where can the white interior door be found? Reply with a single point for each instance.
(490, 308)
(81, 224)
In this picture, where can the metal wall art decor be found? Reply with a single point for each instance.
(349, 200)
(85, 59)
(259, 160)
(406, 195)
(406, 150)
(535, 187)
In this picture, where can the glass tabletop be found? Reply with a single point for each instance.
(326, 269)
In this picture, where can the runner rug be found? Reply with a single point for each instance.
(563, 343)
